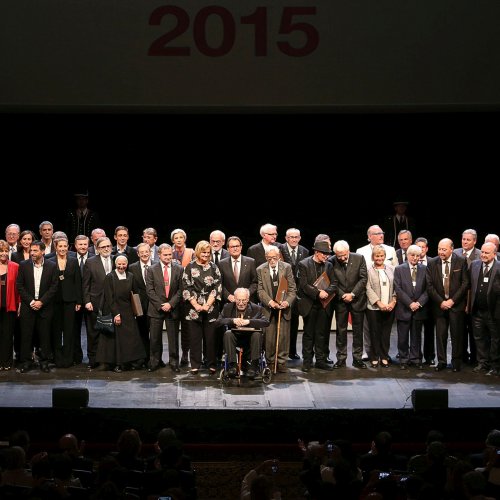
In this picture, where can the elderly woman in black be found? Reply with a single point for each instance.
(202, 292)
(123, 349)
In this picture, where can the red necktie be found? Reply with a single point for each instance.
(166, 281)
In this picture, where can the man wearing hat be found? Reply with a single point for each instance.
(316, 319)
(80, 219)
(397, 222)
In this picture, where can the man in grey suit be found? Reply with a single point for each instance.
(149, 236)
(276, 308)
(37, 283)
(163, 286)
(471, 253)
(483, 299)
(350, 274)
(411, 311)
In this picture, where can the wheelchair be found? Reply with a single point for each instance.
(263, 373)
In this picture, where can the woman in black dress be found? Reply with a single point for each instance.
(124, 349)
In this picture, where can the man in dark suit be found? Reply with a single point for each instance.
(447, 285)
(140, 270)
(94, 236)
(350, 275)
(471, 253)
(245, 274)
(94, 273)
(217, 241)
(163, 286)
(483, 299)
(316, 319)
(242, 313)
(37, 283)
(293, 253)
(276, 309)
(122, 247)
(81, 246)
(405, 240)
(411, 290)
(269, 233)
(149, 236)
(397, 222)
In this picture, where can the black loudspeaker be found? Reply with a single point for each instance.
(63, 397)
(429, 399)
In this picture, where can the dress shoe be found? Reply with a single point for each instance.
(294, 356)
(455, 369)
(282, 368)
(357, 363)
(92, 366)
(419, 366)
(232, 372)
(306, 367)
(339, 364)
(24, 368)
(323, 366)
(329, 361)
(374, 364)
(480, 369)
(184, 361)
(439, 367)
(364, 357)
(194, 371)
(175, 367)
(117, 369)
(45, 368)
(403, 366)
(251, 373)
(152, 369)
(384, 363)
(493, 372)
(161, 364)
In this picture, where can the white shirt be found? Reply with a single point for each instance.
(121, 276)
(106, 262)
(37, 272)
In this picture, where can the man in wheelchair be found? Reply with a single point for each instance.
(245, 315)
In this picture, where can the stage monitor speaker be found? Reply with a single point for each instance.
(429, 399)
(64, 397)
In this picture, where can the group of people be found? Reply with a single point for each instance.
(210, 299)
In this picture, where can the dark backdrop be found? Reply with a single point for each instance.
(333, 173)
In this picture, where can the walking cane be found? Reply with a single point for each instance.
(278, 335)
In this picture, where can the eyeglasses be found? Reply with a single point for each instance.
(242, 300)
(272, 234)
(272, 258)
(234, 246)
(104, 246)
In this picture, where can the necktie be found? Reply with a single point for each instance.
(293, 257)
(216, 257)
(166, 281)
(274, 275)
(145, 272)
(235, 270)
(404, 255)
(414, 274)
(447, 279)
(486, 269)
(81, 264)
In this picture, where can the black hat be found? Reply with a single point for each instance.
(82, 193)
(322, 246)
(400, 202)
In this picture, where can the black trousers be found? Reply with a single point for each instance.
(316, 327)
(33, 322)
(156, 340)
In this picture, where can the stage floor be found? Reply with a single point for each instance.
(346, 388)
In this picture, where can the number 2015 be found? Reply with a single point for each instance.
(289, 24)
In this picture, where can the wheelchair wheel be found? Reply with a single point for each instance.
(267, 375)
(224, 377)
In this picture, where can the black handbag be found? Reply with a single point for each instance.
(104, 323)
